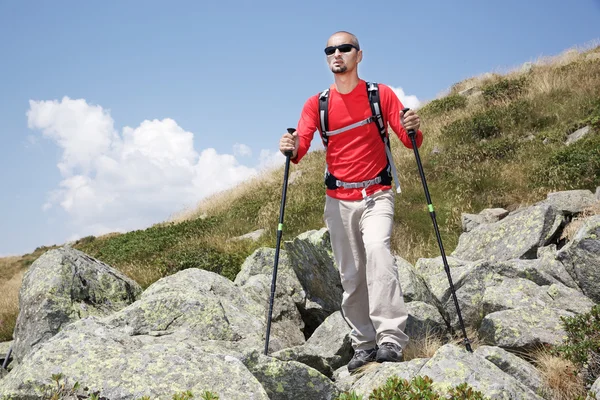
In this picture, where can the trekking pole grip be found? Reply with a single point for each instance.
(411, 132)
(289, 153)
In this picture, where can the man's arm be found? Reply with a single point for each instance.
(307, 125)
(392, 107)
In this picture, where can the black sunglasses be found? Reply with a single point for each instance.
(344, 48)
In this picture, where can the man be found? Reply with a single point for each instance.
(359, 212)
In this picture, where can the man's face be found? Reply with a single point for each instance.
(339, 61)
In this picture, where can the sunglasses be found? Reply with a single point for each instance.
(343, 48)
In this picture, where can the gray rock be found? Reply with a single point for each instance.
(121, 365)
(326, 350)
(4, 347)
(581, 258)
(378, 374)
(423, 320)
(433, 266)
(516, 367)
(519, 235)
(312, 260)
(206, 304)
(595, 388)
(62, 286)
(286, 322)
(487, 216)
(254, 236)
(578, 135)
(598, 193)
(452, 365)
(415, 286)
(571, 201)
(287, 380)
(549, 264)
(255, 278)
(523, 328)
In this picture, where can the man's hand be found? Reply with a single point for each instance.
(289, 142)
(410, 120)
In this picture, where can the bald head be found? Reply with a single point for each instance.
(346, 37)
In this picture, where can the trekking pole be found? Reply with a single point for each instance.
(411, 135)
(288, 155)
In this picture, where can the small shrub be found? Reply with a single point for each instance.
(574, 166)
(482, 125)
(420, 388)
(582, 345)
(445, 104)
(504, 89)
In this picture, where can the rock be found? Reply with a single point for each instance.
(62, 286)
(254, 236)
(571, 202)
(312, 260)
(523, 328)
(423, 320)
(516, 367)
(123, 365)
(207, 305)
(578, 135)
(326, 350)
(548, 263)
(365, 383)
(415, 286)
(581, 258)
(255, 279)
(284, 380)
(452, 365)
(519, 235)
(487, 216)
(595, 388)
(598, 193)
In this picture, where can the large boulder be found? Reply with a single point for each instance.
(255, 279)
(571, 202)
(285, 380)
(524, 328)
(452, 365)
(311, 258)
(518, 235)
(581, 257)
(515, 366)
(205, 304)
(326, 350)
(122, 365)
(62, 286)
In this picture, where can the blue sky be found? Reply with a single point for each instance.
(115, 115)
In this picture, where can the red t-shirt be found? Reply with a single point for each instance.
(357, 154)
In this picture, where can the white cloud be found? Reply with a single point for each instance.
(115, 181)
(241, 150)
(410, 101)
(270, 159)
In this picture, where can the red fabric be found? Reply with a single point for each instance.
(357, 154)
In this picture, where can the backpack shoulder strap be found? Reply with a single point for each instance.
(373, 92)
(323, 115)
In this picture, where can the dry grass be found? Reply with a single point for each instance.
(9, 305)
(571, 229)
(424, 347)
(561, 376)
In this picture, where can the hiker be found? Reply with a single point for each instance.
(359, 205)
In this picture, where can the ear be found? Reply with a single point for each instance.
(359, 56)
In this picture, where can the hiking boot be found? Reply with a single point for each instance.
(390, 352)
(360, 358)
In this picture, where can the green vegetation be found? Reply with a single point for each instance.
(582, 345)
(420, 388)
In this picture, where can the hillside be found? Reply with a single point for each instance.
(498, 140)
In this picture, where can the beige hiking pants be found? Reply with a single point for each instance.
(372, 303)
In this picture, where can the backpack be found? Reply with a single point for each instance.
(384, 176)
